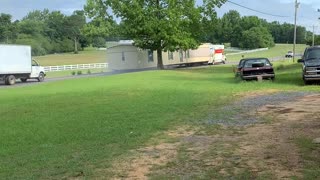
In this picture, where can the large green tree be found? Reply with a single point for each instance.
(155, 24)
(256, 37)
(5, 27)
(230, 24)
(73, 26)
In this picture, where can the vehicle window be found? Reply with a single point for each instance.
(257, 63)
(34, 63)
(313, 53)
(241, 63)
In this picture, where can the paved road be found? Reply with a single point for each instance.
(35, 82)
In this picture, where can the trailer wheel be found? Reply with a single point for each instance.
(23, 79)
(10, 80)
(41, 77)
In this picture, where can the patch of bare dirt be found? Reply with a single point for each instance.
(139, 166)
(261, 148)
(258, 93)
(271, 146)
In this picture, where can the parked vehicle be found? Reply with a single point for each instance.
(289, 54)
(16, 63)
(311, 64)
(217, 55)
(255, 68)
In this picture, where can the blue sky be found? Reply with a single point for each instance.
(307, 15)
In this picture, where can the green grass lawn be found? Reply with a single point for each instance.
(277, 51)
(84, 57)
(58, 130)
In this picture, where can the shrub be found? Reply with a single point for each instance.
(73, 73)
(89, 72)
(79, 72)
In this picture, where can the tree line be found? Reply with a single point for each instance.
(252, 31)
(48, 32)
(154, 27)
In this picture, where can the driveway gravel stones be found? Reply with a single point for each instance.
(243, 112)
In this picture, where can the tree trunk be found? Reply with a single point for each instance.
(159, 56)
(159, 49)
(75, 45)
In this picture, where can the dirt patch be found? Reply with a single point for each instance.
(258, 93)
(139, 165)
(253, 151)
(272, 146)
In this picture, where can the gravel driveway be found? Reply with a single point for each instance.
(241, 113)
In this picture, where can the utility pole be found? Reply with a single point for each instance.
(313, 35)
(296, 4)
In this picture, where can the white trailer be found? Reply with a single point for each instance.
(16, 63)
(217, 54)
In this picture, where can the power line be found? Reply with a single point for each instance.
(257, 10)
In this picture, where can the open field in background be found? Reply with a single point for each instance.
(84, 57)
(79, 127)
(277, 51)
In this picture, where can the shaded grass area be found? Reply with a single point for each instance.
(277, 51)
(84, 57)
(71, 128)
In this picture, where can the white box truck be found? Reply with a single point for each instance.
(217, 55)
(16, 63)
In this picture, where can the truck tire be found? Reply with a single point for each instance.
(23, 79)
(306, 82)
(10, 80)
(41, 77)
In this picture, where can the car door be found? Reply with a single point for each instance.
(35, 69)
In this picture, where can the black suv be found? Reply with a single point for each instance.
(311, 64)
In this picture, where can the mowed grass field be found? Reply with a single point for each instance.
(79, 127)
(277, 51)
(84, 57)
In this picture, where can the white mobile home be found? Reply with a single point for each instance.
(126, 56)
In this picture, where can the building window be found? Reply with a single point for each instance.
(123, 57)
(170, 55)
(150, 56)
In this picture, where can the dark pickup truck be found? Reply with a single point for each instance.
(311, 64)
(253, 68)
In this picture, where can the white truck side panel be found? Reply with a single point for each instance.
(15, 59)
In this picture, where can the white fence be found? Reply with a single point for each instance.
(75, 67)
(248, 51)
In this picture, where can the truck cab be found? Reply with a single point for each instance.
(310, 64)
(37, 71)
